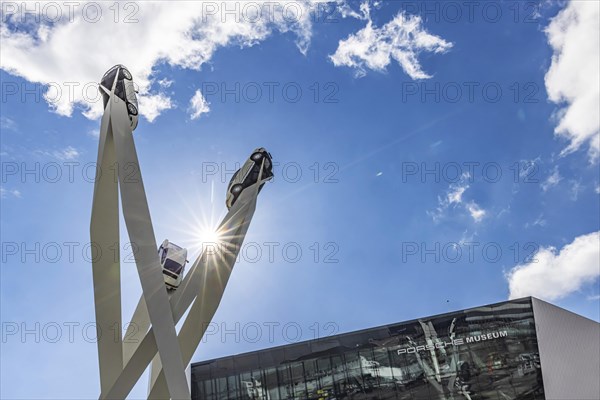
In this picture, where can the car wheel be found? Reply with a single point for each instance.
(256, 156)
(236, 189)
(126, 74)
(132, 109)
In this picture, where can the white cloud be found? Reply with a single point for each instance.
(95, 133)
(552, 180)
(4, 193)
(528, 168)
(553, 274)
(165, 83)
(402, 39)
(66, 154)
(477, 213)
(576, 188)
(454, 197)
(573, 79)
(467, 237)
(539, 221)
(185, 34)
(7, 124)
(154, 105)
(347, 11)
(198, 105)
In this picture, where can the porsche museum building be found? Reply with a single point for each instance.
(519, 349)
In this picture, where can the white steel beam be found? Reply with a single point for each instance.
(106, 268)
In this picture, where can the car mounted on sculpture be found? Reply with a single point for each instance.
(248, 174)
(124, 90)
(172, 259)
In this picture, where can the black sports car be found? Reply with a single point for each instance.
(124, 89)
(248, 174)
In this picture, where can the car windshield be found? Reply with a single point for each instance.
(120, 90)
(173, 266)
(109, 78)
(234, 176)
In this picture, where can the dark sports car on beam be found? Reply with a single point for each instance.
(120, 78)
(248, 174)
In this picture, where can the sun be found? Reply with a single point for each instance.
(197, 228)
(209, 235)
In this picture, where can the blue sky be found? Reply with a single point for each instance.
(510, 206)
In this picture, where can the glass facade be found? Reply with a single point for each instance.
(489, 352)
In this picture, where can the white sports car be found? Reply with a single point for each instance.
(172, 260)
(124, 89)
(248, 174)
